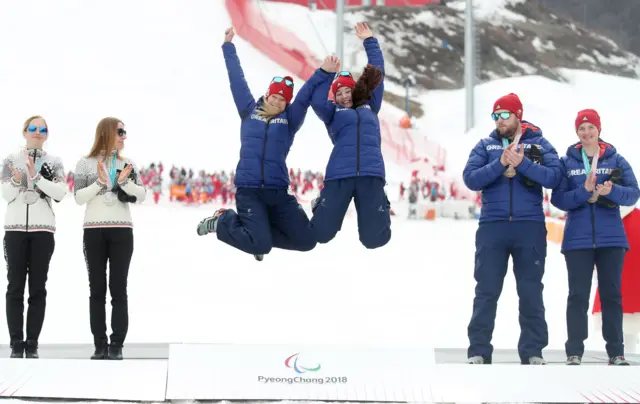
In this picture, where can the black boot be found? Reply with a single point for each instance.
(115, 353)
(102, 351)
(31, 349)
(17, 349)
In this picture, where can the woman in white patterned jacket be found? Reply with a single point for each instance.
(107, 183)
(31, 178)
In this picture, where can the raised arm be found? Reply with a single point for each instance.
(479, 172)
(322, 106)
(374, 58)
(242, 96)
(298, 108)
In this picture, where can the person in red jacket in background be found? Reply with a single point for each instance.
(630, 283)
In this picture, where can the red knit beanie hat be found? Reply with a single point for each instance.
(282, 86)
(510, 102)
(342, 81)
(588, 115)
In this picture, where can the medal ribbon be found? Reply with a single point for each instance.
(586, 162)
(38, 164)
(111, 178)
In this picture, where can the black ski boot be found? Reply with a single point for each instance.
(31, 349)
(102, 351)
(17, 349)
(258, 257)
(115, 353)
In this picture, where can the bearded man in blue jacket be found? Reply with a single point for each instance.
(511, 176)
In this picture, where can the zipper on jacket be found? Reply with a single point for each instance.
(510, 199)
(593, 224)
(358, 147)
(264, 152)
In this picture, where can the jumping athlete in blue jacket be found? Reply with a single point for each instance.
(268, 216)
(356, 167)
(594, 234)
(512, 223)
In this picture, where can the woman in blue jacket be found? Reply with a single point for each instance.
(594, 234)
(268, 216)
(356, 167)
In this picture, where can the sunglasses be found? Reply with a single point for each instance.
(33, 128)
(122, 132)
(503, 115)
(279, 79)
(343, 74)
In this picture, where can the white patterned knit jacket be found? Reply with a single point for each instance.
(40, 216)
(87, 190)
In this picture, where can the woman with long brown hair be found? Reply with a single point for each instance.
(356, 166)
(106, 182)
(31, 179)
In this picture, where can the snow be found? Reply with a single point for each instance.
(542, 47)
(549, 104)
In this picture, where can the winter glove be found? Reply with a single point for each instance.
(616, 178)
(535, 156)
(46, 172)
(123, 196)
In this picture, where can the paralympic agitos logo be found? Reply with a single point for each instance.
(301, 366)
(292, 363)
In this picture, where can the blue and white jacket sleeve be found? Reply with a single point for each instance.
(298, 108)
(565, 198)
(628, 193)
(320, 102)
(479, 171)
(549, 173)
(375, 58)
(245, 103)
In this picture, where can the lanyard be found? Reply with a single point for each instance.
(38, 163)
(112, 173)
(587, 163)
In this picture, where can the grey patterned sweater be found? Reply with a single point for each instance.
(39, 216)
(88, 190)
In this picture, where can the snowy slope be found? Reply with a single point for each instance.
(547, 103)
(155, 64)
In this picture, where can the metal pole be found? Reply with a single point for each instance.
(469, 63)
(407, 83)
(340, 31)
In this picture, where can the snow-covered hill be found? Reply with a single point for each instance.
(515, 38)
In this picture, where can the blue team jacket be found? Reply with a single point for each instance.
(354, 132)
(264, 144)
(511, 199)
(590, 225)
